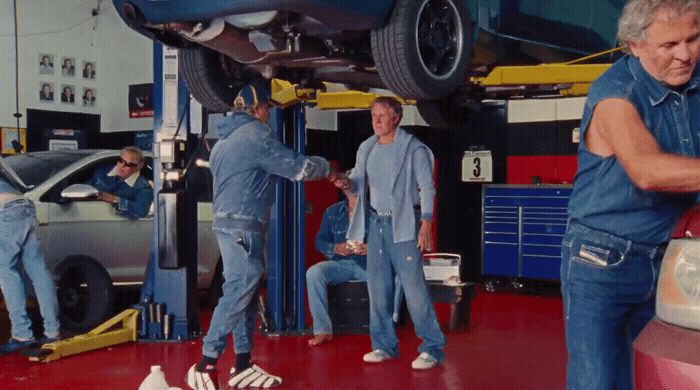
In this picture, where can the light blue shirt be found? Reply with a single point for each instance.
(411, 184)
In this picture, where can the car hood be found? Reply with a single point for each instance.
(11, 177)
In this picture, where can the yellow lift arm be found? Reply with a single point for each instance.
(121, 328)
(572, 76)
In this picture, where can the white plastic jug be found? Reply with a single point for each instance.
(155, 380)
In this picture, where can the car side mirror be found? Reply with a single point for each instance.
(79, 192)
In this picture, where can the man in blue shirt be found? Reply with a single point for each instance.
(346, 262)
(123, 186)
(396, 170)
(244, 163)
(637, 172)
(20, 250)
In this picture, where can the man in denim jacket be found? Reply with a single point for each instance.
(243, 164)
(396, 169)
(123, 186)
(19, 249)
(637, 172)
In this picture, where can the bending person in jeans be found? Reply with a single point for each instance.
(637, 172)
(397, 169)
(346, 262)
(19, 249)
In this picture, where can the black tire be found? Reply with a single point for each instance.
(443, 114)
(412, 56)
(85, 294)
(216, 288)
(212, 78)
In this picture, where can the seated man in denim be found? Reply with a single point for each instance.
(123, 186)
(346, 261)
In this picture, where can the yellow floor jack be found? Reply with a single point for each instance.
(120, 329)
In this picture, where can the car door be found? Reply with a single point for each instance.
(92, 228)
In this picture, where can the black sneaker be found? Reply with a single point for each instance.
(198, 380)
(14, 345)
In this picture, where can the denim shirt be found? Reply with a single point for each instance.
(134, 200)
(243, 163)
(412, 184)
(334, 227)
(604, 198)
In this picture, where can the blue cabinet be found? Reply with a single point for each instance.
(522, 228)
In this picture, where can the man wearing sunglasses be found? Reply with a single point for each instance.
(123, 186)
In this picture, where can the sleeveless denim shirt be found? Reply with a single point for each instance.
(604, 198)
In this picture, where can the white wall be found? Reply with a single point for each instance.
(66, 28)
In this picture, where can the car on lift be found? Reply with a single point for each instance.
(89, 248)
(426, 50)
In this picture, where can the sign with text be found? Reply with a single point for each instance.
(477, 166)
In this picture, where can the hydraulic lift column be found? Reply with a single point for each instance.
(170, 285)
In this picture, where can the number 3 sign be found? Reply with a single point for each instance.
(477, 166)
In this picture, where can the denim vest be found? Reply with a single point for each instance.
(604, 198)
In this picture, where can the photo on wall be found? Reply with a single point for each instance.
(89, 70)
(68, 93)
(46, 92)
(89, 97)
(68, 67)
(45, 63)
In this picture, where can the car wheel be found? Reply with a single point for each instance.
(85, 294)
(212, 78)
(423, 52)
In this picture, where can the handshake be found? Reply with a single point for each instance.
(339, 179)
(351, 248)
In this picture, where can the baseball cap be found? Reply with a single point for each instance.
(252, 95)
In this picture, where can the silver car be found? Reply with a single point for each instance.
(88, 246)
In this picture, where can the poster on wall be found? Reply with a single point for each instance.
(141, 101)
(68, 67)
(89, 97)
(89, 70)
(46, 92)
(45, 63)
(13, 141)
(68, 93)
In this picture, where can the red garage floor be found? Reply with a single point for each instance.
(513, 342)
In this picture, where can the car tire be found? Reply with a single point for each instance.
(412, 56)
(85, 294)
(212, 78)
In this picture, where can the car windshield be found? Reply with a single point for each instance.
(36, 168)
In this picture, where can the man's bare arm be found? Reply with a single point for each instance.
(616, 128)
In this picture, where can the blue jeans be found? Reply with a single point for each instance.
(331, 273)
(608, 288)
(384, 258)
(19, 249)
(243, 268)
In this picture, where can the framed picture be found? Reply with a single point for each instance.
(13, 141)
(68, 93)
(68, 67)
(45, 63)
(89, 70)
(46, 92)
(89, 97)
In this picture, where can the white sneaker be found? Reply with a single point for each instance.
(201, 380)
(376, 356)
(253, 376)
(424, 361)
